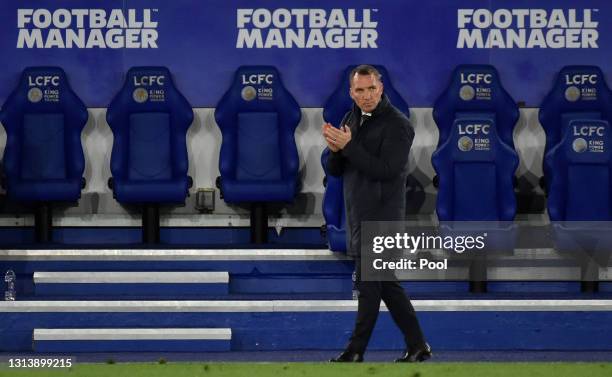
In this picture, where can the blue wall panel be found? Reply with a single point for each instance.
(330, 330)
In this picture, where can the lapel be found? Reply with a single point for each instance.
(355, 118)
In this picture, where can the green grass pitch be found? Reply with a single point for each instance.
(536, 369)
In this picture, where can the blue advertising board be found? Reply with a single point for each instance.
(310, 42)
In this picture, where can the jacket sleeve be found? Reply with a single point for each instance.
(393, 157)
(335, 164)
(335, 160)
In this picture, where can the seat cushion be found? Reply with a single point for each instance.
(43, 153)
(257, 191)
(48, 190)
(258, 147)
(149, 151)
(159, 191)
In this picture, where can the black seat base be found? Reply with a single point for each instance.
(150, 224)
(259, 223)
(43, 222)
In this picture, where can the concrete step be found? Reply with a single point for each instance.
(70, 340)
(326, 324)
(158, 284)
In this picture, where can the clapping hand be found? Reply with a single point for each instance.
(335, 138)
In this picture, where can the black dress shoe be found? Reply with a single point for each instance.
(415, 355)
(348, 357)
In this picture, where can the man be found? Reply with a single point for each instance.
(370, 152)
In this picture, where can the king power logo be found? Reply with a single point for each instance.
(527, 28)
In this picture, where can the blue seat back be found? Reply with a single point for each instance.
(475, 88)
(43, 119)
(475, 160)
(333, 208)
(581, 187)
(149, 118)
(257, 117)
(579, 92)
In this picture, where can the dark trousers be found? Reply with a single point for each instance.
(400, 308)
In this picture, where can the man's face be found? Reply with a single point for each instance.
(366, 91)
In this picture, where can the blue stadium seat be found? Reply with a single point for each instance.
(336, 106)
(580, 93)
(475, 89)
(581, 186)
(576, 117)
(258, 159)
(43, 159)
(475, 163)
(333, 209)
(44, 118)
(475, 160)
(149, 118)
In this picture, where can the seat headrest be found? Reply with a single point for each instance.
(43, 88)
(474, 84)
(148, 86)
(579, 86)
(149, 89)
(588, 141)
(476, 88)
(340, 102)
(577, 89)
(150, 77)
(257, 88)
(52, 79)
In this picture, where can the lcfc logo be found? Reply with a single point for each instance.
(43, 80)
(476, 78)
(35, 95)
(248, 93)
(474, 129)
(149, 80)
(140, 95)
(588, 131)
(465, 144)
(580, 79)
(257, 79)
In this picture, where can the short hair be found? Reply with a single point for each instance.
(366, 70)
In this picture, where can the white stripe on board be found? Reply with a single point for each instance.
(152, 277)
(296, 306)
(172, 255)
(132, 334)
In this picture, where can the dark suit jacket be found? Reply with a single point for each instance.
(374, 167)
